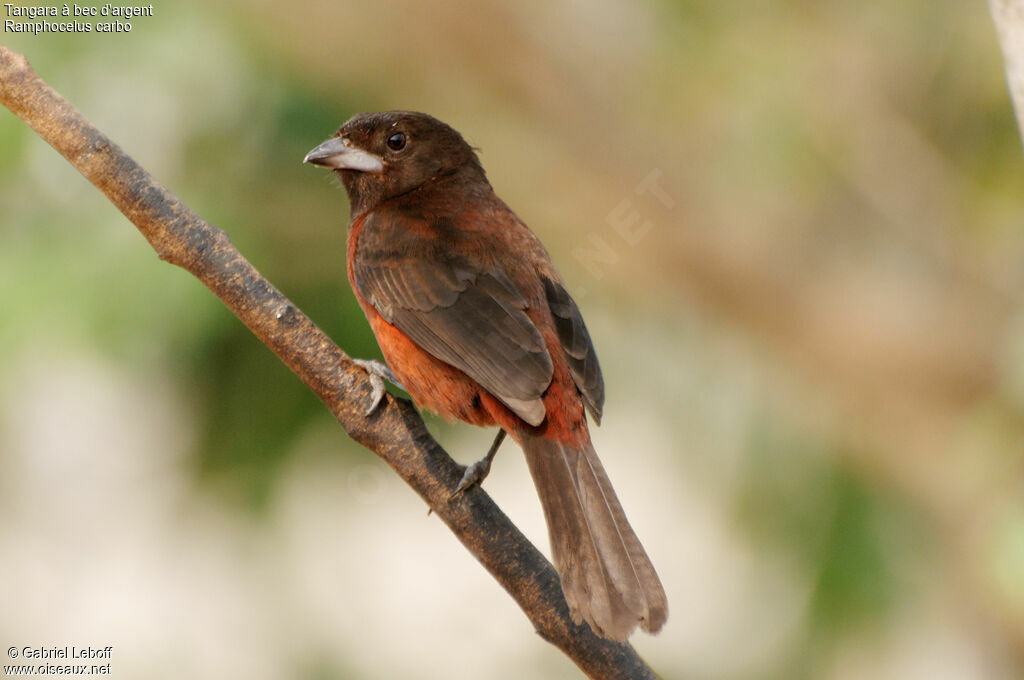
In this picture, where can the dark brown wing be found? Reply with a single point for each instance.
(472, 320)
(579, 350)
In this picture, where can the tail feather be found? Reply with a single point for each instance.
(607, 578)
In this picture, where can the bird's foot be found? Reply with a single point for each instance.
(478, 471)
(378, 372)
(474, 474)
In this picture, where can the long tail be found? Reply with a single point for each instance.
(607, 578)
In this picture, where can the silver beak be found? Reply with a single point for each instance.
(339, 154)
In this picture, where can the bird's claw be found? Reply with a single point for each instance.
(377, 395)
(378, 373)
(478, 471)
(474, 474)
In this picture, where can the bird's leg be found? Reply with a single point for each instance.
(477, 472)
(378, 372)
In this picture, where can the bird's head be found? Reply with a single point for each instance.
(382, 155)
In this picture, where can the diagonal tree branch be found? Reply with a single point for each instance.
(395, 432)
(1008, 16)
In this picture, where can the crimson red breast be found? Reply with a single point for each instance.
(477, 325)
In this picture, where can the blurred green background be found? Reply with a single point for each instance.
(812, 333)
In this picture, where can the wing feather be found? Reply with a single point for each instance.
(474, 321)
(578, 347)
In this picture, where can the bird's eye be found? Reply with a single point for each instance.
(396, 142)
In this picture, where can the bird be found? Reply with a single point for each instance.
(476, 324)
